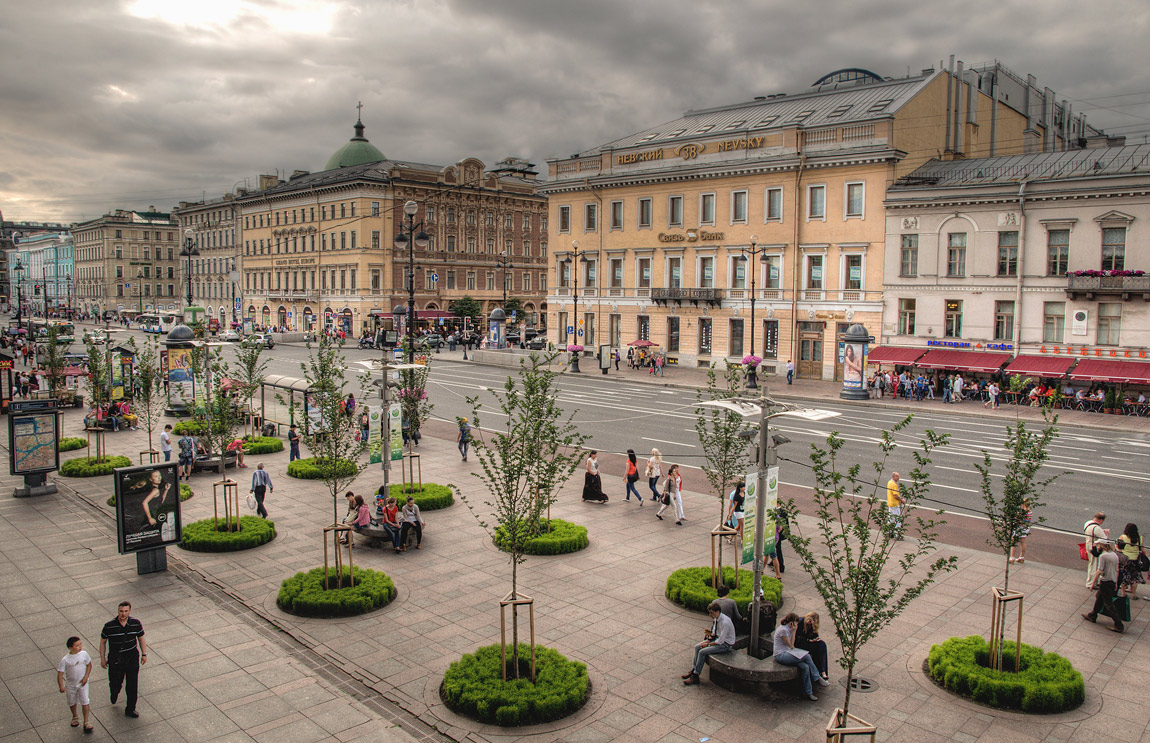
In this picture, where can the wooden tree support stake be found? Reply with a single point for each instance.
(999, 603)
(844, 724)
(513, 601)
(231, 493)
(337, 532)
(720, 531)
(152, 454)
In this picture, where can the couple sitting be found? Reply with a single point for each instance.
(397, 522)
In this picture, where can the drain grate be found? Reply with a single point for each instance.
(78, 551)
(860, 684)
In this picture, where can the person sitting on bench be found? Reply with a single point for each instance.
(719, 639)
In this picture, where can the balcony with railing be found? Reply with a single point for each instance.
(1093, 284)
(694, 296)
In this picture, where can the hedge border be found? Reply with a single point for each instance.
(564, 538)
(691, 588)
(94, 467)
(186, 492)
(202, 536)
(257, 445)
(195, 428)
(303, 594)
(306, 468)
(473, 686)
(71, 443)
(1046, 684)
(433, 497)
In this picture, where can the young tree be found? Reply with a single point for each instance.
(848, 562)
(98, 384)
(413, 403)
(465, 306)
(249, 372)
(52, 362)
(149, 397)
(723, 445)
(218, 413)
(1022, 490)
(524, 464)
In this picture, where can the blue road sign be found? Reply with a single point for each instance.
(570, 329)
(580, 332)
(435, 277)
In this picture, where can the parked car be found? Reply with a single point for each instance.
(430, 341)
(530, 333)
(259, 339)
(513, 338)
(99, 337)
(230, 336)
(538, 343)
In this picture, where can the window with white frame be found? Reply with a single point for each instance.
(1057, 252)
(813, 275)
(644, 214)
(707, 272)
(564, 219)
(738, 207)
(908, 257)
(1113, 248)
(674, 211)
(526, 281)
(1003, 321)
(616, 215)
(644, 268)
(854, 200)
(773, 205)
(852, 278)
(738, 272)
(590, 217)
(1053, 322)
(816, 202)
(906, 313)
(1109, 323)
(616, 273)
(952, 327)
(674, 273)
(774, 272)
(707, 208)
(490, 281)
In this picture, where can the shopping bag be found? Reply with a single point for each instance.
(1082, 551)
(252, 502)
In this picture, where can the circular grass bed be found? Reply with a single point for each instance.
(691, 588)
(474, 687)
(564, 537)
(204, 536)
(195, 428)
(72, 443)
(94, 466)
(432, 498)
(312, 468)
(263, 445)
(1045, 683)
(304, 595)
(185, 493)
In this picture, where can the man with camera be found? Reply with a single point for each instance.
(719, 639)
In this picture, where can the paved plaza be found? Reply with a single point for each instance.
(226, 664)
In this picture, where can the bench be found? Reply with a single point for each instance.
(740, 672)
(213, 462)
(377, 536)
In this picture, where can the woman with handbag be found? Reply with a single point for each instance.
(632, 476)
(1133, 569)
(654, 472)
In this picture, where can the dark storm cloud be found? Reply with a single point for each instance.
(105, 106)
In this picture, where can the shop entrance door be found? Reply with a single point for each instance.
(840, 331)
(810, 351)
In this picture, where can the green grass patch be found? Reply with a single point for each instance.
(263, 445)
(316, 468)
(185, 493)
(209, 536)
(564, 537)
(195, 428)
(474, 687)
(1044, 684)
(304, 595)
(691, 588)
(71, 443)
(432, 498)
(94, 467)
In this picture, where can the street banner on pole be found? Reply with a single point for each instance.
(770, 505)
(375, 434)
(395, 431)
(750, 494)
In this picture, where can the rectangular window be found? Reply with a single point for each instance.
(774, 278)
(854, 200)
(644, 214)
(590, 217)
(770, 339)
(374, 239)
(1109, 323)
(853, 272)
(738, 207)
(735, 336)
(816, 202)
(645, 273)
(617, 273)
(814, 275)
(451, 243)
(674, 273)
(738, 272)
(707, 208)
(704, 336)
(451, 280)
(675, 211)
(564, 219)
(471, 217)
(353, 239)
(773, 205)
(1057, 252)
(428, 284)
(526, 281)
(526, 221)
(906, 310)
(375, 208)
(1003, 321)
(707, 273)
(1053, 322)
(953, 326)
(643, 326)
(589, 273)
(471, 245)
(429, 213)
(616, 215)
(471, 281)
(343, 241)
(908, 259)
(956, 254)
(353, 208)
(376, 276)
(507, 221)
(1113, 248)
(1007, 253)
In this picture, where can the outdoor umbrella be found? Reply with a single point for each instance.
(642, 343)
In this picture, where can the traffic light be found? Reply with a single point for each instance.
(37, 286)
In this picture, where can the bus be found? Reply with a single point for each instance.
(158, 323)
(65, 331)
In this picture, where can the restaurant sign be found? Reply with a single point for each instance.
(1112, 353)
(968, 344)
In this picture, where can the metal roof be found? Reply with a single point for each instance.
(810, 109)
(1127, 160)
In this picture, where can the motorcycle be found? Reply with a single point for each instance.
(366, 343)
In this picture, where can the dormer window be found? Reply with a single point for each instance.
(736, 124)
(675, 133)
(704, 129)
(839, 111)
(766, 121)
(649, 137)
(802, 115)
(880, 105)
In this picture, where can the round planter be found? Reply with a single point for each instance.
(432, 498)
(474, 687)
(94, 466)
(208, 535)
(71, 443)
(563, 537)
(304, 595)
(691, 588)
(307, 469)
(263, 445)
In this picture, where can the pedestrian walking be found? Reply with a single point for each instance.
(632, 476)
(895, 502)
(592, 482)
(261, 486)
(1094, 533)
(654, 472)
(790, 371)
(293, 443)
(991, 396)
(464, 437)
(122, 651)
(72, 676)
(166, 442)
(1106, 579)
(617, 359)
(187, 458)
(1131, 547)
(675, 486)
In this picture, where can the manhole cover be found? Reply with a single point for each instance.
(79, 551)
(860, 684)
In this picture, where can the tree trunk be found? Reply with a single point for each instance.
(847, 698)
(514, 618)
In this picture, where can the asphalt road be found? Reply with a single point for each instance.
(1107, 470)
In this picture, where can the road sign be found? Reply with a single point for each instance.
(239, 303)
(570, 329)
(512, 314)
(580, 332)
(435, 277)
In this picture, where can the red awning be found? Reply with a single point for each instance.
(974, 361)
(1041, 366)
(1119, 372)
(893, 355)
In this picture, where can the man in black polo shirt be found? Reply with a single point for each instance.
(126, 650)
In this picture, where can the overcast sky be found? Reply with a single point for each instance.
(130, 103)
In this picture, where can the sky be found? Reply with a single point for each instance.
(109, 104)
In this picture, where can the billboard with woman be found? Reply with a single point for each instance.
(854, 355)
(147, 507)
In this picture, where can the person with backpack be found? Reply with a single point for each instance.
(464, 437)
(187, 456)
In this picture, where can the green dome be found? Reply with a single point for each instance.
(358, 151)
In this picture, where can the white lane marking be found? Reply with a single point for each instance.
(672, 443)
(969, 472)
(1132, 453)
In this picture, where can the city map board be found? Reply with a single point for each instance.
(33, 437)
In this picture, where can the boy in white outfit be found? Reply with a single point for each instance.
(72, 676)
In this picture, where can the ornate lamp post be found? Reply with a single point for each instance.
(752, 252)
(409, 239)
(19, 269)
(504, 262)
(189, 251)
(139, 293)
(578, 257)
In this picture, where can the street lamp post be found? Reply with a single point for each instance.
(577, 257)
(19, 269)
(68, 288)
(139, 293)
(504, 262)
(409, 239)
(753, 251)
(234, 277)
(189, 251)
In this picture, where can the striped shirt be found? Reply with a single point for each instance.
(261, 478)
(122, 638)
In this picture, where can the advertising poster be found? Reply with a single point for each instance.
(32, 437)
(770, 505)
(375, 434)
(147, 507)
(854, 355)
(180, 384)
(117, 379)
(395, 431)
(750, 495)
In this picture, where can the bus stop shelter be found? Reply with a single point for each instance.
(280, 397)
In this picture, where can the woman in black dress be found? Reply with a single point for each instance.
(592, 483)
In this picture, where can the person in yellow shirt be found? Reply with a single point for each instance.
(894, 503)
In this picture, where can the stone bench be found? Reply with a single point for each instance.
(737, 671)
(213, 462)
(377, 536)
